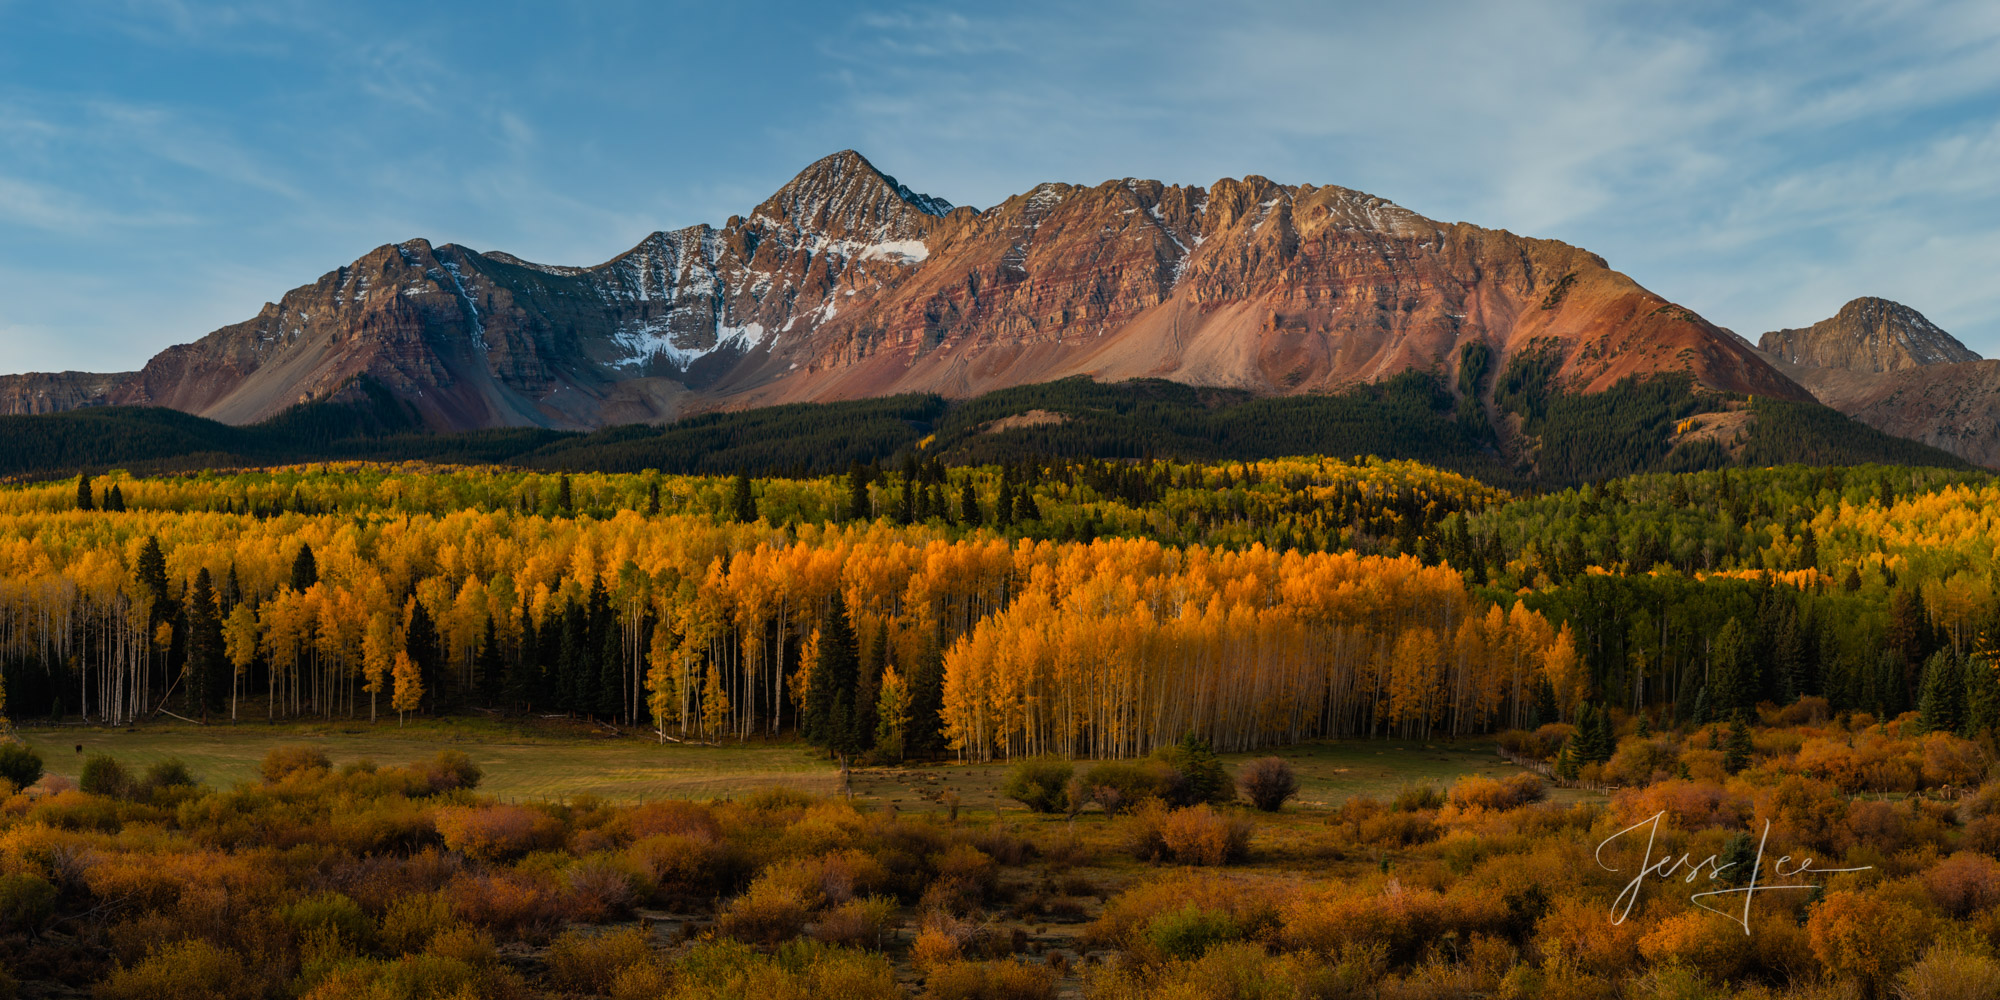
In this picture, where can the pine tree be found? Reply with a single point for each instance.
(490, 666)
(205, 653)
(83, 498)
(420, 641)
(742, 504)
(305, 569)
(653, 498)
(1733, 664)
(114, 500)
(968, 506)
(574, 660)
(835, 677)
(1941, 707)
(858, 508)
(1736, 753)
(923, 735)
(1644, 729)
(522, 669)
(1567, 767)
(1982, 697)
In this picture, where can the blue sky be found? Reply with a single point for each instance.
(167, 167)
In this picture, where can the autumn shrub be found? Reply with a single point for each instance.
(861, 923)
(419, 977)
(1191, 931)
(1687, 805)
(1245, 971)
(1268, 782)
(505, 902)
(1121, 785)
(168, 773)
(78, 810)
(1964, 883)
(496, 831)
(1398, 829)
(409, 923)
(1951, 761)
(667, 818)
(285, 761)
(330, 912)
(1864, 937)
(1700, 939)
(1512, 792)
(27, 901)
(1334, 919)
(1642, 761)
(583, 962)
(942, 938)
(1417, 797)
(20, 765)
(1810, 710)
(1950, 972)
(677, 864)
(767, 913)
(1040, 783)
(449, 771)
(183, 970)
(103, 775)
(1000, 980)
(600, 887)
(801, 970)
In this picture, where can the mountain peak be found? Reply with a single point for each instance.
(1868, 334)
(843, 196)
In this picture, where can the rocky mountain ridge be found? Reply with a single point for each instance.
(1886, 365)
(846, 283)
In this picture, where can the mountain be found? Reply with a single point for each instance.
(847, 284)
(1868, 335)
(1887, 366)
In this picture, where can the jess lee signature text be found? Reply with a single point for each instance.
(1666, 867)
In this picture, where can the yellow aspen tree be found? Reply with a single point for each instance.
(662, 689)
(239, 642)
(409, 687)
(379, 645)
(714, 706)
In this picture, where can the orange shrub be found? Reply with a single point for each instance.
(1951, 761)
(1688, 805)
(1002, 980)
(677, 864)
(1580, 930)
(1475, 792)
(667, 817)
(1639, 762)
(1803, 812)
(504, 901)
(1700, 939)
(861, 923)
(283, 762)
(770, 913)
(495, 832)
(1865, 938)
(1964, 883)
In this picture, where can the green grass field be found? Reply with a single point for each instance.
(557, 761)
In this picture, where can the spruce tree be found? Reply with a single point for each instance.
(924, 736)
(491, 668)
(653, 498)
(305, 569)
(114, 499)
(835, 675)
(83, 498)
(1941, 707)
(575, 659)
(1736, 752)
(1982, 697)
(858, 508)
(205, 653)
(521, 669)
(968, 506)
(742, 503)
(1566, 763)
(421, 642)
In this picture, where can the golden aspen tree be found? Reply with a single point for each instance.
(379, 646)
(409, 692)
